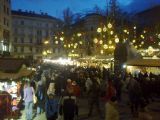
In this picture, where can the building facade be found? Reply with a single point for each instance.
(5, 26)
(32, 34)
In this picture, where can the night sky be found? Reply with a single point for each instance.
(55, 7)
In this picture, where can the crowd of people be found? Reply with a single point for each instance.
(56, 89)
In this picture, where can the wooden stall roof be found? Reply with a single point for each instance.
(144, 62)
(11, 65)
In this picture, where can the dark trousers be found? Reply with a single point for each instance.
(94, 102)
(68, 118)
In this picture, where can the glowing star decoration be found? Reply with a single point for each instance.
(46, 42)
(44, 53)
(79, 34)
(159, 36)
(111, 32)
(109, 25)
(101, 42)
(99, 30)
(142, 42)
(116, 40)
(136, 46)
(95, 40)
(61, 38)
(105, 46)
(102, 51)
(56, 42)
(80, 42)
(125, 31)
(134, 41)
(55, 37)
(104, 29)
(150, 50)
(75, 46)
(110, 42)
(142, 36)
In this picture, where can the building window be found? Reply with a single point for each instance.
(4, 22)
(30, 49)
(47, 33)
(4, 9)
(22, 40)
(15, 49)
(31, 40)
(7, 11)
(22, 22)
(91, 28)
(37, 50)
(22, 49)
(15, 30)
(15, 40)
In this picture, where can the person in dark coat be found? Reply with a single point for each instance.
(94, 98)
(40, 94)
(51, 107)
(69, 108)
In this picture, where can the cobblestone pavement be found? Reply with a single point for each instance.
(124, 110)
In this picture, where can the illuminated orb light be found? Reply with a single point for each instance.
(134, 41)
(56, 42)
(116, 40)
(79, 34)
(110, 42)
(111, 32)
(101, 42)
(134, 27)
(109, 25)
(142, 42)
(46, 42)
(80, 42)
(44, 53)
(102, 51)
(159, 43)
(99, 30)
(125, 31)
(105, 46)
(55, 37)
(65, 45)
(61, 38)
(104, 29)
(95, 40)
(159, 36)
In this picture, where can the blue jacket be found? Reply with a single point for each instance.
(51, 107)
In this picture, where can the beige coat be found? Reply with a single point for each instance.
(111, 111)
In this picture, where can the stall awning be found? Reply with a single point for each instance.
(144, 62)
(23, 72)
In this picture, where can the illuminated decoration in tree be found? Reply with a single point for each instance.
(105, 46)
(95, 40)
(117, 40)
(109, 25)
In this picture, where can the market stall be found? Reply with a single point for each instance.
(12, 72)
(143, 65)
